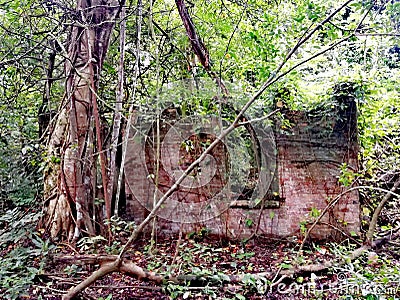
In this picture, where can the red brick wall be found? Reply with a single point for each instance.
(309, 156)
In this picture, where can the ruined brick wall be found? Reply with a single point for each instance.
(309, 156)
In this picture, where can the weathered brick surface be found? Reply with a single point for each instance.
(309, 156)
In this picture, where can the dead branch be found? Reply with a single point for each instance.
(198, 46)
(372, 225)
(131, 269)
(131, 115)
(329, 206)
(86, 259)
(116, 129)
(109, 264)
(378, 210)
(105, 269)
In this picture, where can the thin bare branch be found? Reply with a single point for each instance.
(378, 210)
(117, 112)
(131, 107)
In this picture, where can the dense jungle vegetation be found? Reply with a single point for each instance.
(74, 75)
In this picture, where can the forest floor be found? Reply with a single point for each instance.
(209, 258)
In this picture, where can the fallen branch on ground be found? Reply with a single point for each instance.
(111, 263)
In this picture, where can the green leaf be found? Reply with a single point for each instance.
(285, 266)
(240, 297)
(249, 222)
(271, 215)
(299, 19)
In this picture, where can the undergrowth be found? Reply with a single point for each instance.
(22, 250)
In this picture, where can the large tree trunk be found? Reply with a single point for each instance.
(70, 178)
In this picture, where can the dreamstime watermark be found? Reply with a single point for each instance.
(344, 286)
(166, 139)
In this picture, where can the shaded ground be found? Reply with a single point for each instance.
(209, 258)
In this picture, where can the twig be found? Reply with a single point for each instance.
(198, 46)
(342, 232)
(259, 119)
(60, 292)
(178, 243)
(378, 210)
(333, 203)
(118, 113)
(131, 107)
(105, 269)
(143, 287)
(243, 13)
(378, 34)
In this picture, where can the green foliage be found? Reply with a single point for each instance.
(249, 222)
(199, 235)
(311, 218)
(372, 276)
(258, 283)
(175, 291)
(303, 227)
(71, 270)
(242, 255)
(23, 52)
(109, 297)
(119, 229)
(24, 253)
(347, 175)
(91, 244)
(271, 215)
